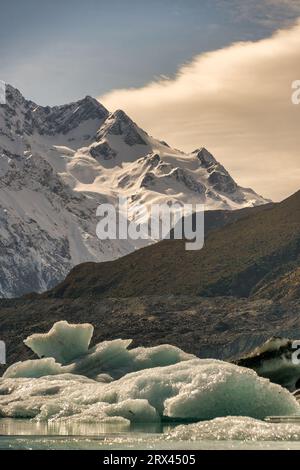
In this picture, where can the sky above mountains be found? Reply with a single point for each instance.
(171, 66)
(58, 51)
(236, 101)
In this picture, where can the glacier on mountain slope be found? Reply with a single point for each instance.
(58, 164)
(110, 382)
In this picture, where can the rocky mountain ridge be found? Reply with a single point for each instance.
(57, 164)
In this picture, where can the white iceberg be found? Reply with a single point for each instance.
(113, 358)
(110, 382)
(202, 389)
(192, 390)
(234, 428)
(64, 341)
(33, 368)
(106, 360)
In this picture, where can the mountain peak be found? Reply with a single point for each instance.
(68, 158)
(13, 95)
(119, 124)
(26, 117)
(92, 103)
(205, 157)
(120, 115)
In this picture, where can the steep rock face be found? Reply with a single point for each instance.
(23, 117)
(45, 226)
(57, 164)
(218, 176)
(118, 123)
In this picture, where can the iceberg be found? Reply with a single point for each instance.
(201, 389)
(68, 345)
(33, 368)
(113, 358)
(274, 360)
(111, 383)
(233, 428)
(64, 342)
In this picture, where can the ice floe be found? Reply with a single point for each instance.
(111, 383)
(275, 360)
(232, 428)
(64, 342)
(34, 368)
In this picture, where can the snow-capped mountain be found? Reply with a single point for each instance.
(58, 163)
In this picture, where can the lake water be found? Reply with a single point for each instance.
(25, 434)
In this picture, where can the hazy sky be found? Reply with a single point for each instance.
(234, 100)
(59, 50)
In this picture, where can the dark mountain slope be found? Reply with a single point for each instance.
(286, 286)
(257, 254)
(57, 164)
(236, 260)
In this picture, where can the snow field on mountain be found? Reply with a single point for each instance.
(58, 164)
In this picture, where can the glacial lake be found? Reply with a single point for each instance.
(23, 434)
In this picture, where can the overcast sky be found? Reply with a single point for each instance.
(233, 99)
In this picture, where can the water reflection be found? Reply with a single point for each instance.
(26, 434)
(24, 427)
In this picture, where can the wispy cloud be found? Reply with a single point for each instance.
(235, 101)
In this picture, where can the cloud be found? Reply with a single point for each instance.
(235, 101)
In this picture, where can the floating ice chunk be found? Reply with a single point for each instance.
(64, 341)
(104, 362)
(134, 411)
(68, 344)
(109, 357)
(236, 428)
(51, 397)
(205, 389)
(57, 410)
(33, 368)
(113, 358)
(191, 390)
(110, 382)
(274, 360)
(158, 356)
